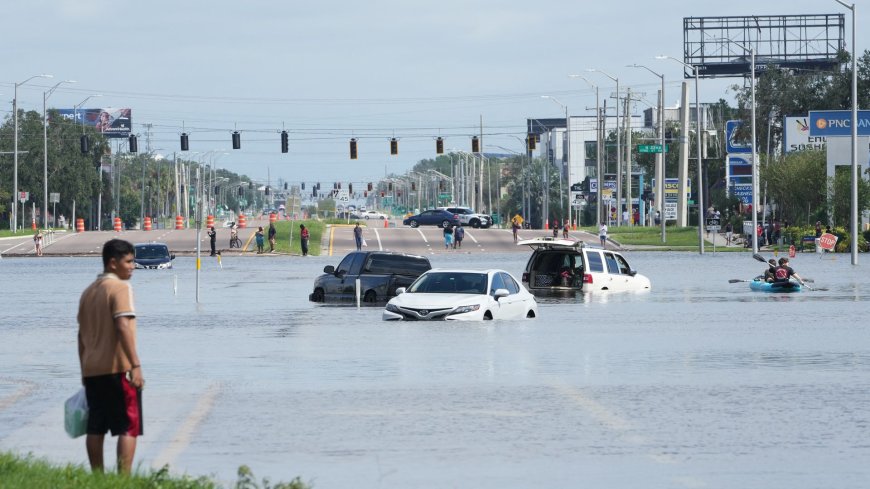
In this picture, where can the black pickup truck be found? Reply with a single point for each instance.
(380, 274)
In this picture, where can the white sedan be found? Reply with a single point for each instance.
(441, 294)
(374, 215)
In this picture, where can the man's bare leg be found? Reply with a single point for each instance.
(126, 452)
(94, 444)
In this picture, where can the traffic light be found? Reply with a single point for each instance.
(85, 143)
(390, 186)
(303, 185)
(285, 142)
(439, 146)
(184, 142)
(285, 185)
(370, 186)
(394, 146)
(475, 145)
(441, 185)
(365, 193)
(237, 140)
(241, 192)
(133, 143)
(267, 190)
(350, 188)
(382, 195)
(414, 186)
(250, 185)
(353, 148)
(318, 185)
(530, 139)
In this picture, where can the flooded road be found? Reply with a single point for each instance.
(697, 383)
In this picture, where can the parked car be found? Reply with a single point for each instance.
(432, 217)
(566, 265)
(380, 274)
(374, 215)
(152, 255)
(462, 295)
(468, 217)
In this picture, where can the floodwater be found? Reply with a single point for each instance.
(696, 384)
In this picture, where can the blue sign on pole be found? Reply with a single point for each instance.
(838, 123)
(732, 144)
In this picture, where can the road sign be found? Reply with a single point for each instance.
(712, 224)
(343, 196)
(444, 196)
(23, 196)
(54, 197)
(650, 148)
(828, 241)
(670, 211)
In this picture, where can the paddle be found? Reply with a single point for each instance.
(760, 258)
(737, 280)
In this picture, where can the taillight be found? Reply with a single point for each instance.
(526, 277)
(587, 278)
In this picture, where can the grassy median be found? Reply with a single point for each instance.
(683, 238)
(28, 472)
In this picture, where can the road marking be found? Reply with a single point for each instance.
(188, 427)
(331, 236)
(470, 236)
(423, 236)
(378, 237)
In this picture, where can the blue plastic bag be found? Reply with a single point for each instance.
(75, 413)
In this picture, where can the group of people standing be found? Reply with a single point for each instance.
(453, 236)
(260, 237)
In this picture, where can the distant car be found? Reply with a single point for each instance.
(380, 273)
(152, 255)
(462, 295)
(433, 217)
(468, 217)
(566, 264)
(374, 215)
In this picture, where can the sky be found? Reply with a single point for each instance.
(330, 70)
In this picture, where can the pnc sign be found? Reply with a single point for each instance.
(838, 123)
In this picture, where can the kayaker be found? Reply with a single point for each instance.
(784, 272)
(770, 273)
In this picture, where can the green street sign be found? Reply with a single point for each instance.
(444, 196)
(649, 148)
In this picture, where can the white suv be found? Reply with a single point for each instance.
(468, 217)
(565, 265)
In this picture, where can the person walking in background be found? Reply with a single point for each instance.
(729, 233)
(212, 237)
(272, 233)
(515, 227)
(110, 368)
(303, 236)
(458, 236)
(602, 234)
(37, 242)
(260, 239)
(357, 236)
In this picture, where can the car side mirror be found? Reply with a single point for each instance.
(400, 290)
(632, 272)
(172, 257)
(329, 269)
(499, 293)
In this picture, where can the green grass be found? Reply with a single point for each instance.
(675, 237)
(28, 472)
(282, 241)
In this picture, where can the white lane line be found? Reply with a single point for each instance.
(470, 236)
(378, 237)
(187, 429)
(423, 236)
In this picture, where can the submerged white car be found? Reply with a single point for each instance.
(474, 295)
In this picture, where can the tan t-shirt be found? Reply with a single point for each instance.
(104, 300)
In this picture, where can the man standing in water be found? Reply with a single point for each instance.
(110, 366)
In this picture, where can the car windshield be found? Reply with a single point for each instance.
(450, 283)
(151, 252)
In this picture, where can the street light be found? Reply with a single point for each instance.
(618, 149)
(45, 96)
(660, 171)
(854, 125)
(15, 152)
(568, 133)
(76, 108)
(598, 143)
(700, 173)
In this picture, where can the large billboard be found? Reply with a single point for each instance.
(111, 122)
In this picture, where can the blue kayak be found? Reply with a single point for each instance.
(762, 286)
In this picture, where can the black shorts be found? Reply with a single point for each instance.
(113, 404)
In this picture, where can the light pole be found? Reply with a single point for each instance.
(45, 96)
(660, 172)
(15, 151)
(568, 152)
(76, 108)
(618, 149)
(854, 124)
(599, 172)
(700, 173)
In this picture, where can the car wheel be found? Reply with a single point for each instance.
(317, 296)
(414, 224)
(370, 296)
(445, 223)
(487, 316)
(475, 223)
(530, 315)
(367, 218)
